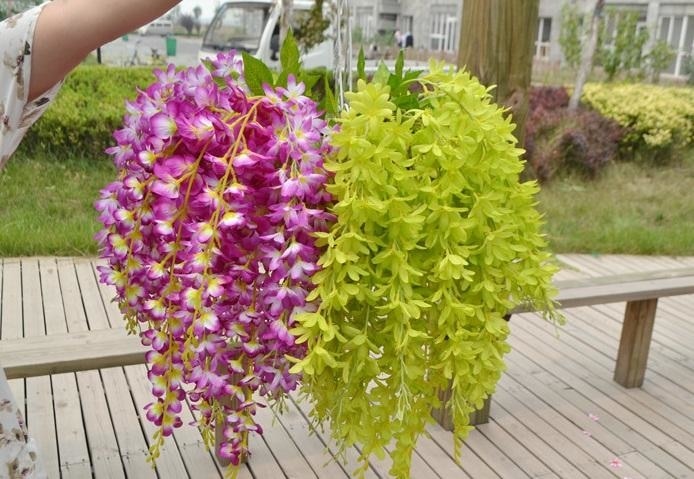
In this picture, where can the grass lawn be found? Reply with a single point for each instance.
(46, 205)
(46, 208)
(631, 208)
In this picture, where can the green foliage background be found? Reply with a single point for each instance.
(89, 107)
(656, 118)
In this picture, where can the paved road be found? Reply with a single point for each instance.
(119, 52)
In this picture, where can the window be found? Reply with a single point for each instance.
(387, 22)
(444, 29)
(363, 22)
(406, 22)
(678, 32)
(542, 43)
(237, 27)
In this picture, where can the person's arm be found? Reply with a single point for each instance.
(67, 30)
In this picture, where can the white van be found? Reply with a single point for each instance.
(157, 27)
(252, 26)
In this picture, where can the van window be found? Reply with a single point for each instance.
(237, 27)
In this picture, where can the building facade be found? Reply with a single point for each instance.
(435, 24)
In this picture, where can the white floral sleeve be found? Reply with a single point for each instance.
(17, 114)
(18, 455)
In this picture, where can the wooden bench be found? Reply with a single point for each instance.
(44, 355)
(640, 291)
(69, 352)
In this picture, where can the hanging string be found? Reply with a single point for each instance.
(350, 52)
(337, 56)
(342, 47)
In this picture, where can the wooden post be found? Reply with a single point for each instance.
(497, 45)
(634, 344)
(443, 415)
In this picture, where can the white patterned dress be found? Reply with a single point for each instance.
(18, 455)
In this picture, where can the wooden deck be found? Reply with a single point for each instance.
(556, 414)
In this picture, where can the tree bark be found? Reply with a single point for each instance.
(497, 45)
(589, 46)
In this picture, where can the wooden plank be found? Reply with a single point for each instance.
(75, 318)
(194, 453)
(631, 277)
(91, 296)
(53, 309)
(515, 450)
(72, 439)
(312, 448)
(438, 460)
(471, 463)
(659, 459)
(40, 416)
(74, 456)
(350, 459)
(620, 292)
(189, 415)
(667, 382)
(502, 464)
(662, 412)
(290, 458)
(12, 325)
(108, 293)
(169, 463)
(605, 395)
(69, 352)
(131, 438)
(637, 330)
(524, 372)
(525, 435)
(101, 436)
(580, 451)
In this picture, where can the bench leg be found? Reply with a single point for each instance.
(445, 419)
(635, 342)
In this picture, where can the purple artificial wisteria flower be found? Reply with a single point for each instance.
(208, 239)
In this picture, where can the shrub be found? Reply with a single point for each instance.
(654, 117)
(89, 107)
(548, 98)
(556, 139)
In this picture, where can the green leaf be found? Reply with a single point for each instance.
(256, 73)
(329, 104)
(289, 60)
(289, 54)
(382, 74)
(400, 64)
(361, 65)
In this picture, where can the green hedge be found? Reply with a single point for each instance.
(655, 117)
(89, 107)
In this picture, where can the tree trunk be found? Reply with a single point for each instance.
(497, 44)
(589, 46)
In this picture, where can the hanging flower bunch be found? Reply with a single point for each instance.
(208, 239)
(436, 240)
